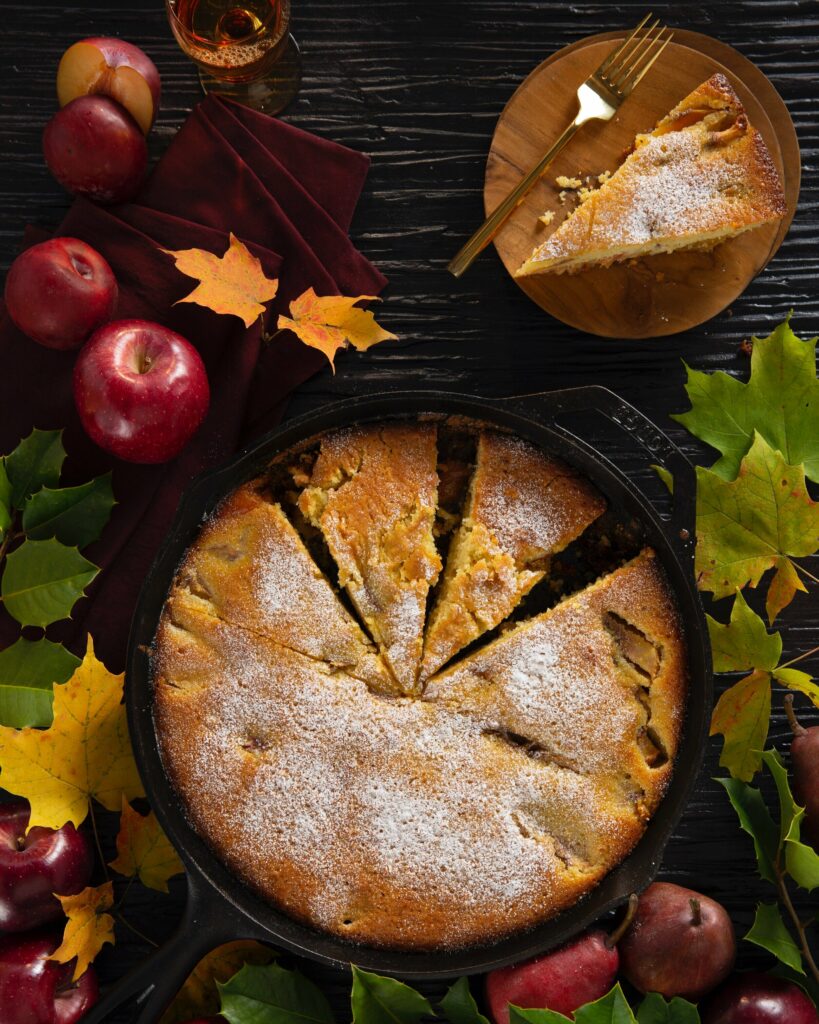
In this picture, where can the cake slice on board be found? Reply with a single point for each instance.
(522, 507)
(702, 176)
(373, 493)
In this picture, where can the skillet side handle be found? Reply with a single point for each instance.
(593, 398)
(151, 987)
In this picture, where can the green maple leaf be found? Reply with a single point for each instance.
(744, 643)
(780, 401)
(759, 521)
(743, 711)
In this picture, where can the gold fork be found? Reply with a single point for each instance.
(599, 97)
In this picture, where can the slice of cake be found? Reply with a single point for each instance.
(250, 567)
(596, 684)
(521, 508)
(373, 495)
(703, 175)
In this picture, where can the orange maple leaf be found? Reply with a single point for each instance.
(331, 322)
(143, 849)
(88, 927)
(233, 283)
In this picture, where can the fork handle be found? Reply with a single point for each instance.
(495, 221)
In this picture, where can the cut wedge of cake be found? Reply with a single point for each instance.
(373, 496)
(521, 508)
(249, 566)
(703, 175)
(596, 684)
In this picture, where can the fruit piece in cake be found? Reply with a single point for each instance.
(522, 507)
(373, 493)
(703, 175)
(596, 684)
(250, 567)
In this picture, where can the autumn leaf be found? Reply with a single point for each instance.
(742, 712)
(88, 927)
(85, 753)
(745, 643)
(780, 401)
(199, 996)
(233, 283)
(143, 849)
(755, 523)
(330, 322)
(741, 715)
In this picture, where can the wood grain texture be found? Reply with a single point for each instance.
(653, 296)
(419, 85)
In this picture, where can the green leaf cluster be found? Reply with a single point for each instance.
(42, 528)
(273, 995)
(781, 858)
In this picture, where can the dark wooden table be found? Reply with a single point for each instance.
(418, 84)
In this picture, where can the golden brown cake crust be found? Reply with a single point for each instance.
(702, 175)
(522, 507)
(249, 566)
(484, 805)
(373, 494)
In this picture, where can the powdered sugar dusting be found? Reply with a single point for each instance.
(668, 190)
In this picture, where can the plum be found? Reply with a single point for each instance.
(579, 972)
(94, 148)
(680, 943)
(805, 762)
(754, 998)
(111, 67)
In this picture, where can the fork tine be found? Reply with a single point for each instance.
(615, 54)
(646, 40)
(639, 68)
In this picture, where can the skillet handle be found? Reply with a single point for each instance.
(593, 398)
(150, 987)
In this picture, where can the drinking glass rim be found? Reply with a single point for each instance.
(174, 18)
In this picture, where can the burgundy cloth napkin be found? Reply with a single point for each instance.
(290, 197)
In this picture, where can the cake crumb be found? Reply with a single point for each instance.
(562, 196)
(547, 217)
(603, 178)
(585, 193)
(563, 182)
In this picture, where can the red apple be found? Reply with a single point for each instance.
(111, 67)
(753, 998)
(36, 990)
(141, 390)
(94, 148)
(59, 291)
(577, 973)
(35, 865)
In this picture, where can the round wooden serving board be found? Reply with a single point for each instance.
(655, 295)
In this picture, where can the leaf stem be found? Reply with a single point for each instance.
(800, 657)
(97, 842)
(810, 575)
(798, 924)
(141, 935)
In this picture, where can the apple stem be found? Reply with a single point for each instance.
(623, 927)
(796, 726)
(696, 912)
(144, 362)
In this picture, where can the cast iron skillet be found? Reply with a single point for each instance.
(221, 908)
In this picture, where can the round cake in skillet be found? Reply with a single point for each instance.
(398, 695)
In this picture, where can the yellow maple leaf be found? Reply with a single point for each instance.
(233, 283)
(143, 849)
(86, 752)
(199, 996)
(330, 322)
(88, 927)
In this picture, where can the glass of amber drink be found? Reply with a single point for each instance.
(244, 50)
